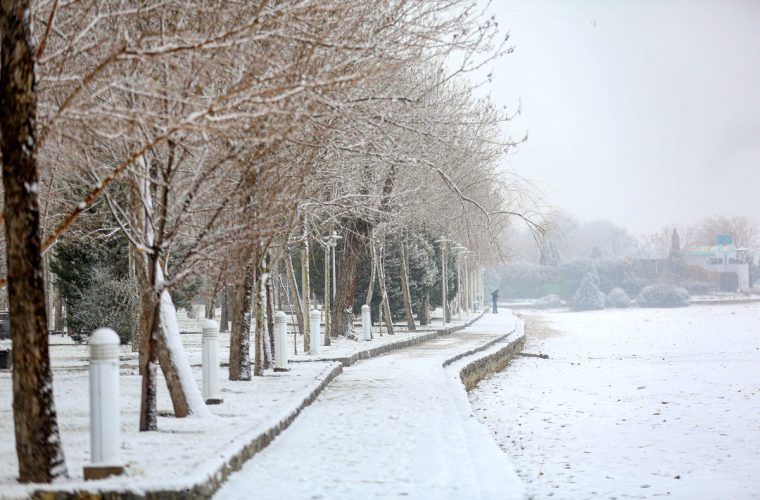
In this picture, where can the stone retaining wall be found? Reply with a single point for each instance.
(493, 362)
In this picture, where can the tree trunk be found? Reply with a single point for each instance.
(327, 251)
(386, 308)
(135, 338)
(159, 332)
(212, 295)
(49, 291)
(405, 286)
(240, 340)
(183, 390)
(425, 308)
(38, 444)
(259, 305)
(305, 291)
(353, 248)
(224, 320)
(148, 360)
(211, 304)
(58, 325)
(296, 302)
(373, 267)
(160, 344)
(270, 309)
(444, 285)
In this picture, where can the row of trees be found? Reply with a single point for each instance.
(222, 142)
(570, 250)
(567, 239)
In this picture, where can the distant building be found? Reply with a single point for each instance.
(726, 263)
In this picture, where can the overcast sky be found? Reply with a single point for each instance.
(644, 112)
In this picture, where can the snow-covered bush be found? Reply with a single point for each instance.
(612, 273)
(109, 302)
(699, 287)
(523, 280)
(573, 272)
(633, 286)
(663, 296)
(548, 302)
(618, 298)
(588, 295)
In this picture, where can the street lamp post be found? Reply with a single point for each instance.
(333, 243)
(483, 285)
(326, 279)
(460, 251)
(329, 242)
(466, 288)
(470, 287)
(444, 278)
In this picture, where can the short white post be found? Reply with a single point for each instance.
(210, 339)
(280, 342)
(105, 424)
(366, 323)
(315, 316)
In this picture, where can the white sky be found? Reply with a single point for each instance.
(643, 112)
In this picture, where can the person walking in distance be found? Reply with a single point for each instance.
(494, 298)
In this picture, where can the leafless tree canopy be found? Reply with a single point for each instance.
(223, 132)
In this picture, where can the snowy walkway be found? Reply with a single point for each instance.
(192, 450)
(637, 403)
(392, 426)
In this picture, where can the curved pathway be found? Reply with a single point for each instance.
(392, 426)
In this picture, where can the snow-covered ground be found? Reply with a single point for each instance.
(181, 447)
(637, 403)
(185, 447)
(392, 426)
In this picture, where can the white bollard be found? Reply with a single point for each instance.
(366, 323)
(105, 424)
(280, 342)
(314, 331)
(210, 339)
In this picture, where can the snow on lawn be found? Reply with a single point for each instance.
(181, 447)
(633, 403)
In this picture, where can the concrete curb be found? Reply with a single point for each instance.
(718, 302)
(207, 486)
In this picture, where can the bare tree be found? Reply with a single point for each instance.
(38, 443)
(744, 230)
